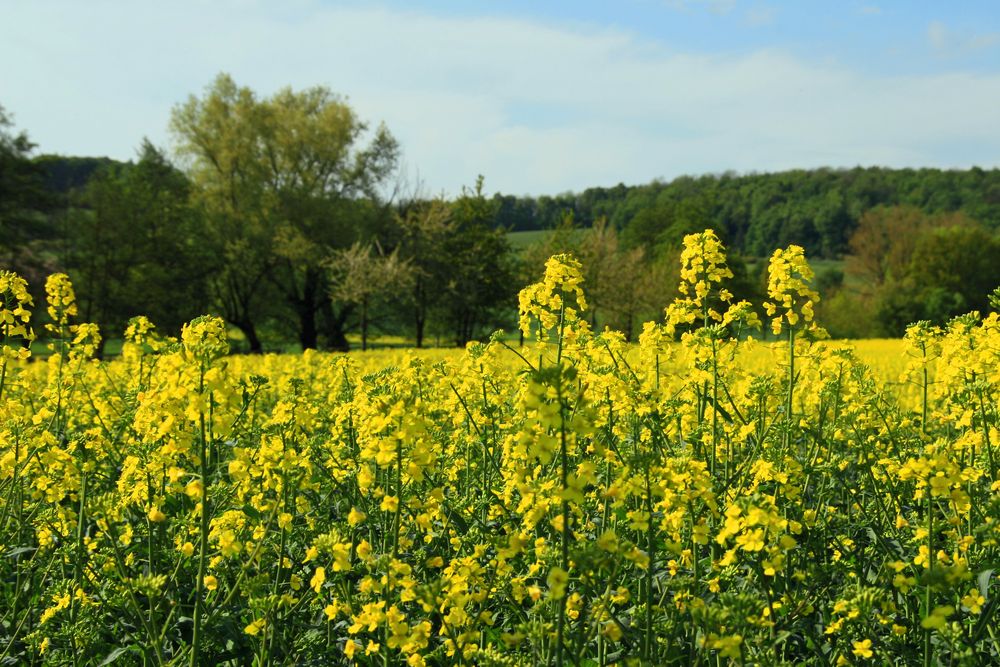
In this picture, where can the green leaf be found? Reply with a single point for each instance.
(114, 655)
(985, 620)
(983, 582)
(14, 553)
(251, 512)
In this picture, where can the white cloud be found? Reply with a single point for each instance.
(717, 7)
(937, 34)
(760, 16)
(536, 108)
(953, 43)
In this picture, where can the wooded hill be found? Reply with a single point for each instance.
(756, 213)
(818, 209)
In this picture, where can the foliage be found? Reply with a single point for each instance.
(907, 266)
(281, 181)
(754, 213)
(23, 200)
(478, 268)
(364, 276)
(270, 189)
(622, 284)
(130, 239)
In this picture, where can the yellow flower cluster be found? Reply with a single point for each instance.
(555, 301)
(62, 301)
(14, 316)
(703, 269)
(789, 279)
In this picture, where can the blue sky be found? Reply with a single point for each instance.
(539, 97)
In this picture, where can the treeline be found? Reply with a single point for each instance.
(282, 215)
(817, 209)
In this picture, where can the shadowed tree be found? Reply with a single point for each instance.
(424, 227)
(130, 246)
(480, 282)
(883, 243)
(23, 201)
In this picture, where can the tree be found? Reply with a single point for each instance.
(479, 283)
(424, 227)
(665, 224)
(283, 180)
(23, 199)
(907, 265)
(624, 284)
(955, 267)
(637, 287)
(883, 243)
(132, 245)
(364, 275)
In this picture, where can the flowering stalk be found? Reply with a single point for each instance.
(789, 279)
(204, 341)
(202, 529)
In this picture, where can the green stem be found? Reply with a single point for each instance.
(791, 385)
(196, 637)
(564, 545)
(715, 404)
(78, 565)
(986, 437)
(647, 643)
(923, 418)
(3, 375)
(930, 566)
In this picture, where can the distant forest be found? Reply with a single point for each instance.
(818, 209)
(272, 214)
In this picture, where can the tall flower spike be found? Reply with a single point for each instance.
(205, 338)
(62, 302)
(703, 268)
(703, 264)
(789, 279)
(14, 315)
(561, 287)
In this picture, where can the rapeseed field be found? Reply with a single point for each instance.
(699, 497)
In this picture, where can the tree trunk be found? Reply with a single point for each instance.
(464, 326)
(364, 324)
(250, 332)
(418, 327)
(308, 334)
(419, 313)
(338, 341)
(334, 321)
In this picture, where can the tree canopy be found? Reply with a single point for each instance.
(280, 180)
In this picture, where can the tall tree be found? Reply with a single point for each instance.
(425, 225)
(480, 279)
(955, 268)
(623, 284)
(883, 243)
(281, 179)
